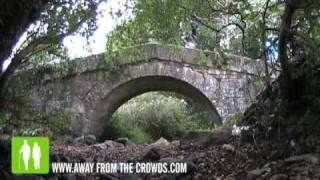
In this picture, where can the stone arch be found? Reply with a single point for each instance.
(85, 92)
(151, 76)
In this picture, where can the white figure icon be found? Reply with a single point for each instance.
(36, 155)
(25, 151)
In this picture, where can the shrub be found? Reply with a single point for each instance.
(157, 114)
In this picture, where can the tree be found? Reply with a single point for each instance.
(292, 33)
(238, 27)
(283, 39)
(15, 16)
(58, 19)
(225, 26)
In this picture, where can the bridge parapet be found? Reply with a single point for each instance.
(190, 57)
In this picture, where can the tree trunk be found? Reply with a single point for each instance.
(285, 81)
(263, 46)
(5, 79)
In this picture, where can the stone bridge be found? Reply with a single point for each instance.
(91, 90)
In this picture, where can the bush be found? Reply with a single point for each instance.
(56, 123)
(157, 114)
(122, 126)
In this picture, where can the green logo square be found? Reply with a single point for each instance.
(30, 155)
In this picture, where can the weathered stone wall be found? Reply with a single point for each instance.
(91, 91)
